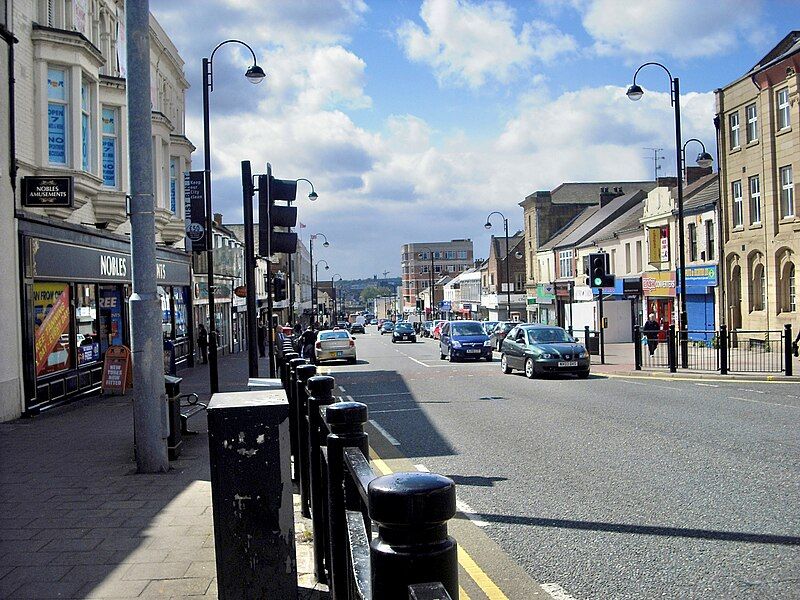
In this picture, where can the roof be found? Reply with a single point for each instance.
(786, 47)
(569, 227)
(703, 192)
(589, 192)
(513, 242)
(602, 217)
(628, 221)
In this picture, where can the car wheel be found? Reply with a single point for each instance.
(441, 356)
(394, 341)
(352, 361)
(489, 358)
(530, 371)
(504, 365)
(452, 358)
(583, 374)
(413, 340)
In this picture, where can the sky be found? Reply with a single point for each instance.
(416, 119)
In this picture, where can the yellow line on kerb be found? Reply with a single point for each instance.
(465, 560)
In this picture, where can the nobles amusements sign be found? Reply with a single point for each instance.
(43, 192)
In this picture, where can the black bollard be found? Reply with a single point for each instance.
(291, 394)
(320, 393)
(722, 349)
(303, 373)
(637, 347)
(346, 424)
(411, 511)
(672, 351)
(285, 369)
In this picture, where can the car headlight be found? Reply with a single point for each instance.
(583, 354)
(487, 343)
(545, 355)
(455, 344)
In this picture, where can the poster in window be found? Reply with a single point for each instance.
(51, 327)
(56, 133)
(111, 325)
(85, 132)
(109, 161)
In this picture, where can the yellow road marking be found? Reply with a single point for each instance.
(770, 378)
(465, 560)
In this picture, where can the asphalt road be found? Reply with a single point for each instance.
(608, 487)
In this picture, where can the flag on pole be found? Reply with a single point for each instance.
(301, 225)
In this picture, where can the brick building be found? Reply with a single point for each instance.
(447, 258)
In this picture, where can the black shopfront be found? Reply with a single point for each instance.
(75, 286)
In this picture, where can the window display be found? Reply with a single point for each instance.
(87, 339)
(51, 327)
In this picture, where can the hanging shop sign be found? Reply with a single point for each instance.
(545, 293)
(659, 284)
(632, 286)
(44, 192)
(658, 244)
(194, 210)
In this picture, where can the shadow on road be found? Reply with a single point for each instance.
(478, 480)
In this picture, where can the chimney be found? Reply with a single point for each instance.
(667, 182)
(607, 195)
(218, 219)
(695, 173)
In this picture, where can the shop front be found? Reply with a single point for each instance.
(659, 288)
(701, 283)
(75, 287)
(544, 308)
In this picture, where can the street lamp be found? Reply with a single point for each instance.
(333, 286)
(314, 290)
(704, 159)
(635, 93)
(311, 260)
(290, 281)
(488, 225)
(254, 74)
(430, 289)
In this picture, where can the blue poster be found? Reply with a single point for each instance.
(85, 131)
(56, 133)
(109, 161)
(172, 204)
(111, 325)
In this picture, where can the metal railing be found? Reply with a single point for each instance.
(738, 351)
(346, 500)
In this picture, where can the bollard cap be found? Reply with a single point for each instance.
(304, 372)
(346, 413)
(412, 499)
(320, 385)
(295, 362)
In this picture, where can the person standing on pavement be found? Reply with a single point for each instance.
(651, 328)
(202, 343)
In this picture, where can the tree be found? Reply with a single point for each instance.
(372, 292)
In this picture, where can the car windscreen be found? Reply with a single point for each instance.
(333, 335)
(468, 329)
(548, 335)
(403, 327)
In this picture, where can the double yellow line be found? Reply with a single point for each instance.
(477, 574)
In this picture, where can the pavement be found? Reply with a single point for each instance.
(76, 521)
(615, 487)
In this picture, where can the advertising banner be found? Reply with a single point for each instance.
(194, 210)
(659, 284)
(51, 323)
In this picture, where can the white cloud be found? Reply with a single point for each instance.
(470, 43)
(679, 28)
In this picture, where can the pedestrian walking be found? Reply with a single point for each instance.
(307, 343)
(262, 339)
(651, 329)
(202, 343)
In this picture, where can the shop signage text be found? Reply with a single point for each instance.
(194, 210)
(659, 284)
(47, 191)
(701, 275)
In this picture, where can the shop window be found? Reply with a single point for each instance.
(111, 322)
(52, 341)
(110, 146)
(181, 312)
(57, 115)
(87, 340)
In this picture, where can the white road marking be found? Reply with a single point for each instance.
(556, 591)
(389, 437)
(349, 398)
(762, 402)
(753, 391)
(635, 382)
(419, 362)
(470, 513)
(341, 388)
(374, 412)
(386, 394)
(422, 468)
(707, 385)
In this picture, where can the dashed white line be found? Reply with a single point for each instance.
(762, 402)
(341, 388)
(386, 394)
(419, 362)
(422, 468)
(374, 412)
(556, 591)
(470, 513)
(389, 437)
(752, 391)
(707, 385)
(349, 398)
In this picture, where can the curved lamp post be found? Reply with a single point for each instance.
(431, 290)
(635, 92)
(325, 244)
(315, 290)
(704, 159)
(488, 225)
(333, 286)
(311, 196)
(254, 74)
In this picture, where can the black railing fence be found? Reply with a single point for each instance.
(375, 536)
(737, 351)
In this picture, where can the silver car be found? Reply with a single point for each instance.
(335, 345)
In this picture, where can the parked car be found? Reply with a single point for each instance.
(373, 322)
(464, 339)
(357, 328)
(538, 349)
(387, 327)
(404, 332)
(427, 329)
(488, 326)
(343, 325)
(437, 329)
(335, 345)
(499, 333)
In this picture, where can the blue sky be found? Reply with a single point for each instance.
(416, 119)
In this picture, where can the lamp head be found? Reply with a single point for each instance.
(705, 160)
(518, 254)
(313, 195)
(255, 74)
(325, 244)
(488, 225)
(635, 92)
(327, 267)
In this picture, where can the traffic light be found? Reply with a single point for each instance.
(279, 287)
(271, 215)
(597, 275)
(419, 304)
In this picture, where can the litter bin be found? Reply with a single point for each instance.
(172, 386)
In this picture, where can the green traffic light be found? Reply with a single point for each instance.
(598, 282)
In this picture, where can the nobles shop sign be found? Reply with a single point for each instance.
(44, 192)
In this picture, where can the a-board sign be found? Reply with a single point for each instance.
(117, 370)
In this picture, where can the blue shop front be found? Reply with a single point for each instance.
(701, 284)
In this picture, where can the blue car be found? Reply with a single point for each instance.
(464, 339)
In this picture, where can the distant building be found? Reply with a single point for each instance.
(447, 258)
